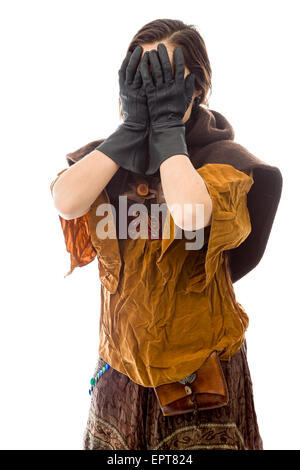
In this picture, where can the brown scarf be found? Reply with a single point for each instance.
(210, 139)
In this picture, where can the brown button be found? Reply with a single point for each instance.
(142, 189)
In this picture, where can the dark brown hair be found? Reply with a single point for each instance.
(177, 33)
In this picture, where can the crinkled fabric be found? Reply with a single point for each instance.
(164, 305)
(124, 415)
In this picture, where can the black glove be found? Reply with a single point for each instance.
(128, 145)
(168, 98)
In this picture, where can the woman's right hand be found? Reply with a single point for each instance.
(128, 145)
(132, 93)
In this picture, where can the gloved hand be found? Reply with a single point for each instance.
(128, 145)
(168, 98)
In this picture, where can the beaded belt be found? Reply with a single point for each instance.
(95, 379)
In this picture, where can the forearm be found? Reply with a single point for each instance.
(78, 187)
(183, 185)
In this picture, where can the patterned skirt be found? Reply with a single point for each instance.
(124, 415)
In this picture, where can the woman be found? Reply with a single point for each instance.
(166, 304)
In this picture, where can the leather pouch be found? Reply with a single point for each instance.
(205, 389)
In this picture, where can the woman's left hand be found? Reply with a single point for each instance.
(168, 98)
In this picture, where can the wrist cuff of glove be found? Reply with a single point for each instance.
(128, 147)
(165, 140)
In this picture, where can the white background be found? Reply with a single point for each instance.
(59, 90)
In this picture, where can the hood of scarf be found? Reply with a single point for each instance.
(206, 126)
(210, 139)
